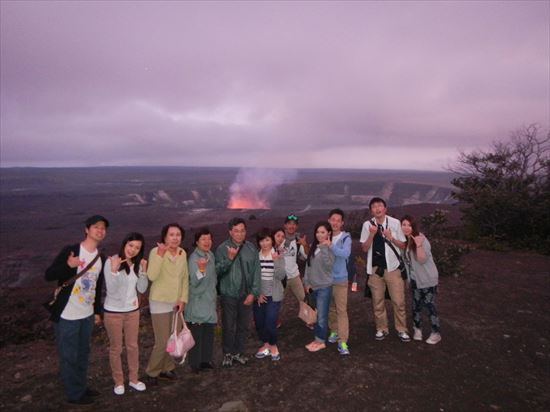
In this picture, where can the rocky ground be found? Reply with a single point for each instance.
(494, 355)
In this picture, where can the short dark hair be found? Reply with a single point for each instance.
(92, 220)
(136, 260)
(236, 221)
(205, 230)
(377, 200)
(336, 211)
(164, 231)
(264, 233)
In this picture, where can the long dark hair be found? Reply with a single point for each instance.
(136, 260)
(315, 243)
(411, 244)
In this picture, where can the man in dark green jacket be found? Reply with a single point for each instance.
(239, 277)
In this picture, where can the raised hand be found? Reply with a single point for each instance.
(302, 240)
(201, 263)
(327, 242)
(373, 228)
(73, 261)
(115, 263)
(276, 255)
(161, 249)
(232, 252)
(143, 265)
(419, 240)
(388, 235)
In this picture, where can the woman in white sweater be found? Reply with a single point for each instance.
(125, 276)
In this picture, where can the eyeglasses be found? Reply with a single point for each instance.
(292, 217)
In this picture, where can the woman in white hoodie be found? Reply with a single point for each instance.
(125, 276)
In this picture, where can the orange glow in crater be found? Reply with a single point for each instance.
(241, 202)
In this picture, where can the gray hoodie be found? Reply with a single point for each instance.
(319, 270)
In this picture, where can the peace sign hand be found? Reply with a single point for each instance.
(115, 263)
(161, 249)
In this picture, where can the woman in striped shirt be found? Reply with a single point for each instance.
(266, 308)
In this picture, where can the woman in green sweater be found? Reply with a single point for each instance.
(200, 312)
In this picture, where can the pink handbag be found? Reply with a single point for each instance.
(179, 343)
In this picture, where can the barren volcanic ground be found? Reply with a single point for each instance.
(494, 355)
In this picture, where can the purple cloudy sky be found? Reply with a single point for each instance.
(284, 84)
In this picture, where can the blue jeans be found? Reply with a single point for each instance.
(322, 297)
(265, 318)
(73, 345)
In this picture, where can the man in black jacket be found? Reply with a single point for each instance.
(78, 270)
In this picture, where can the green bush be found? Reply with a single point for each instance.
(505, 192)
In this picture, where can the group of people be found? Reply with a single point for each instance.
(250, 281)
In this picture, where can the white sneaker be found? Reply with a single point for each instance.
(119, 390)
(138, 386)
(434, 338)
(380, 334)
(417, 334)
(404, 336)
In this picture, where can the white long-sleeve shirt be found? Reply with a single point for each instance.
(122, 289)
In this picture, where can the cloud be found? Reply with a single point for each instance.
(298, 84)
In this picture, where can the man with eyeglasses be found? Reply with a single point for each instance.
(239, 278)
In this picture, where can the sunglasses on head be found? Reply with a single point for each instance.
(292, 217)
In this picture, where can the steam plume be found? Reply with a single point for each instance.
(255, 188)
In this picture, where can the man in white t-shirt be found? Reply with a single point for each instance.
(383, 268)
(78, 270)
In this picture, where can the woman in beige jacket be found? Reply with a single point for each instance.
(169, 291)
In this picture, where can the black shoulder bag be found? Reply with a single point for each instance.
(402, 266)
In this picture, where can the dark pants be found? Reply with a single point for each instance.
(203, 333)
(265, 318)
(73, 345)
(425, 297)
(235, 322)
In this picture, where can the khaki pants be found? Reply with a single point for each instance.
(297, 288)
(338, 314)
(117, 326)
(160, 360)
(396, 288)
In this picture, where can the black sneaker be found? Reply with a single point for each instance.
(152, 381)
(91, 393)
(84, 400)
(169, 376)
